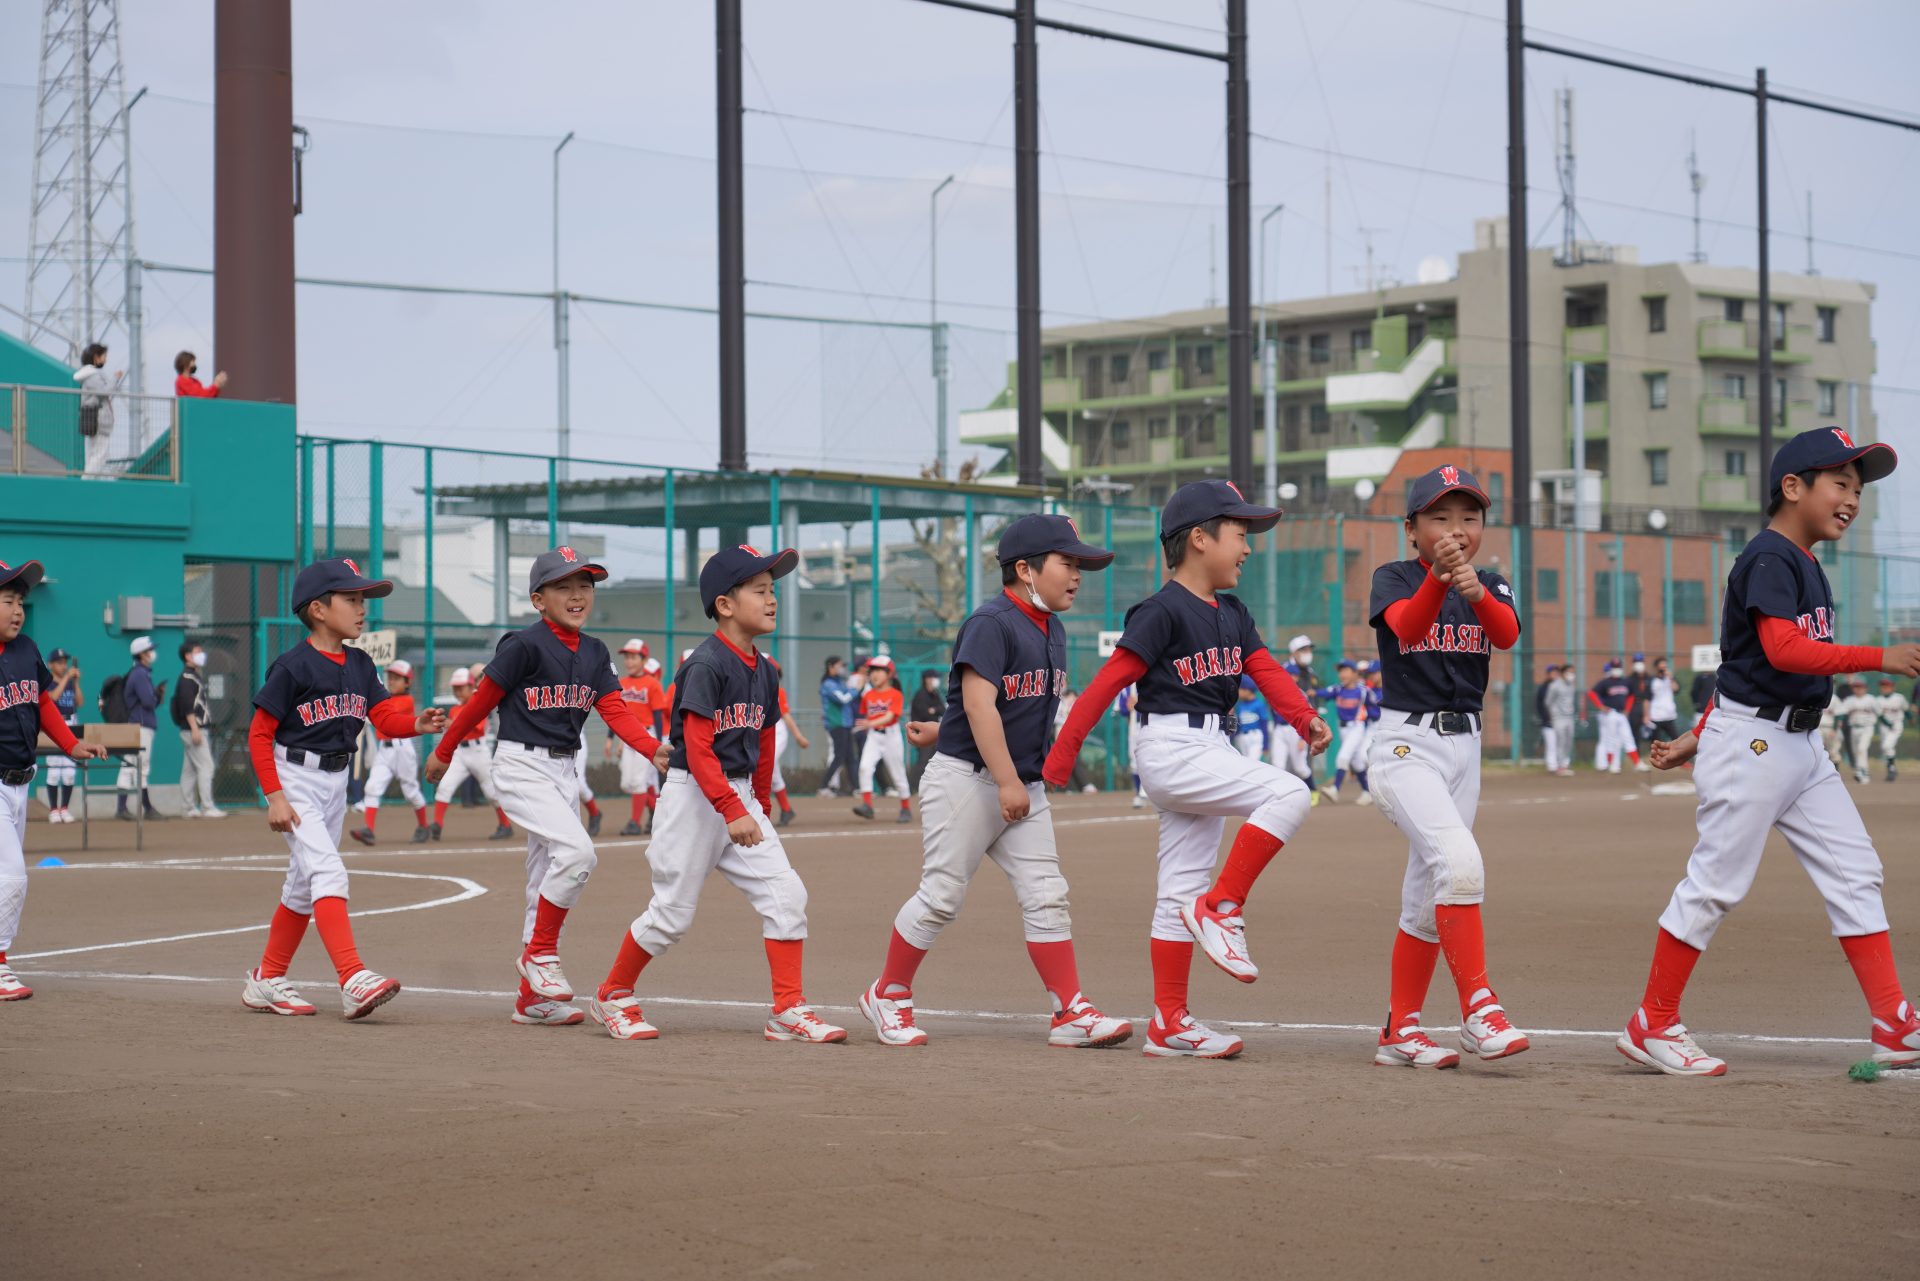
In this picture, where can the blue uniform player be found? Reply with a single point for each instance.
(1438, 620)
(26, 708)
(1349, 700)
(1252, 722)
(1759, 766)
(981, 796)
(61, 774)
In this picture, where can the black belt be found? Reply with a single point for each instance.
(17, 777)
(737, 774)
(1195, 720)
(558, 753)
(332, 763)
(1800, 718)
(1447, 722)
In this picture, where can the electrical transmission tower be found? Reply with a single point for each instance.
(80, 271)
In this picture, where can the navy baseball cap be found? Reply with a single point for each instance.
(558, 563)
(1036, 535)
(1824, 448)
(729, 567)
(340, 574)
(1205, 500)
(57, 655)
(26, 575)
(1429, 489)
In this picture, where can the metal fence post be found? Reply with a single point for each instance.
(330, 494)
(17, 423)
(376, 522)
(427, 609)
(553, 502)
(1666, 597)
(1886, 609)
(969, 539)
(873, 567)
(672, 660)
(305, 535)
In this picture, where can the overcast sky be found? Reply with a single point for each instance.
(433, 127)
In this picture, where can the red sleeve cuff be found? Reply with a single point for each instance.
(260, 750)
(55, 728)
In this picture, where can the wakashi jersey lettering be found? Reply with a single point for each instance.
(23, 675)
(550, 689)
(319, 703)
(1028, 668)
(1445, 670)
(740, 701)
(1775, 578)
(1194, 651)
(1613, 692)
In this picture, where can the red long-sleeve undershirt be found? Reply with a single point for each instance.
(390, 717)
(1788, 650)
(1595, 700)
(53, 727)
(712, 781)
(1412, 619)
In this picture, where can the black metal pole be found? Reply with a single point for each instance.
(1026, 217)
(1766, 290)
(1519, 380)
(733, 249)
(1239, 256)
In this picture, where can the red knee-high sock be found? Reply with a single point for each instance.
(283, 940)
(1673, 963)
(1172, 964)
(1252, 850)
(548, 917)
(637, 806)
(502, 816)
(866, 798)
(652, 798)
(780, 797)
(420, 815)
(1871, 956)
(1634, 757)
(626, 967)
(1059, 971)
(440, 812)
(783, 959)
(1465, 943)
(336, 934)
(1413, 962)
(372, 812)
(903, 962)
(593, 809)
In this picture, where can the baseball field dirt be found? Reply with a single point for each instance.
(152, 1126)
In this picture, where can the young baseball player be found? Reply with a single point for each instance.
(785, 731)
(306, 724)
(713, 813)
(1893, 722)
(1438, 620)
(27, 707)
(1349, 700)
(471, 759)
(545, 679)
(394, 760)
(1612, 700)
(1186, 647)
(62, 773)
(1289, 750)
(1859, 714)
(1758, 764)
(982, 796)
(881, 707)
(1563, 705)
(640, 688)
(1251, 722)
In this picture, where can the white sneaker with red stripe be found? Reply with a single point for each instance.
(1184, 1037)
(273, 996)
(1222, 936)
(11, 988)
(800, 1023)
(364, 992)
(1083, 1027)
(619, 1012)
(547, 1014)
(1897, 1045)
(543, 975)
(1409, 1046)
(1670, 1049)
(892, 1017)
(1487, 1033)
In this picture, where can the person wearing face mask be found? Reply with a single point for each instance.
(1642, 682)
(96, 407)
(190, 715)
(1289, 749)
(187, 386)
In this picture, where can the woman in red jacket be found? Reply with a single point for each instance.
(187, 385)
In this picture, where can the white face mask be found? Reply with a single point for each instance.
(1639, 667)
(1304, 657)
(200, 659)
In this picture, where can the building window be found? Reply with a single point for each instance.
(1156, 428)
(1603, 585)
(1416, 333)
(1156, 359)
(1829, 398)
(1779, 402)
(1736, 386)
(1656, 391)
(1496, 493)
(1737, 535)
(1362, 340)
(1118, 367)
(1203, 359)
(1319, 348)
(1779, 324)
(1546, 586)
(1317, 487)
(1656, 315)
(1319, 422)
(1203, 431)
(1689, 600)
(1826, 317)
(1734, 309)
(1121, 434)
(1736, 462)
(1657, 466)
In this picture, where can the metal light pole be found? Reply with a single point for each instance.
(936, 331)
(1765, 272)
(136, 380)
(561, 342)
(1270, 396)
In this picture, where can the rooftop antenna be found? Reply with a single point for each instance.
(1698, 181)
(1563, 162)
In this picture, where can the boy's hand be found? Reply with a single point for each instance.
(1014, 801)
(84, 751)
(1466, 581)
(1447, 557)
(1319, 736)
(801, 739)
(280, 815)
(1671, 755)
(431, 721)
(744, 832)
(920, 733)
(1901, 660)
(436, 768)
(661, 757)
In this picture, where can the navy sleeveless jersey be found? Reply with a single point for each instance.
(740, 701)
(1776, 578)
(319, 703)
(1613, 692)
(1194, 651)
(22, 676)
(1446, 671)
(1028, 668)
(550, 689)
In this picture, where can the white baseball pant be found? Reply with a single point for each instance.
(689, 841)
(1290, 751)
(580, 770)
(13, 860)
(961, 824)
(637, 774)
(470, 760)
(1197, 781)
(314, 868)
(780, 739)
(1252, 744)
(1353, 747)
(536, 790)
(1890, 738)
(1428, 786)
(1616, 740)
(884, 746)
(59, 771)
(394, 762)
(1862, 736)
(1753, 775)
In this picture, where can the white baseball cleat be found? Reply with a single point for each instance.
(619, 1012)
(547, 1014)
(543, 975)
(1187, 1038)
(1669, 1049)
(1487, 1033)
(1897, 1046)
(892, 1017)
(366, 992)
(273, 996)
(1410, 1046)
(11, 988)
(800, 1023)
(1643, 768)
(1083, 1027)
(1222, 936)
(1366, 798)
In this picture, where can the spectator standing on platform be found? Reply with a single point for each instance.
(190, 714)
(187, 386)
(837, 708)
(142, 698)
(96, 407)
(929, 704)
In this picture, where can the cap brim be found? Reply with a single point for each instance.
(779, 564)
(1486, 503)
(1089, 556)
(27, 575)
(1258, 520)
(595, 572)
(1876, 462)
